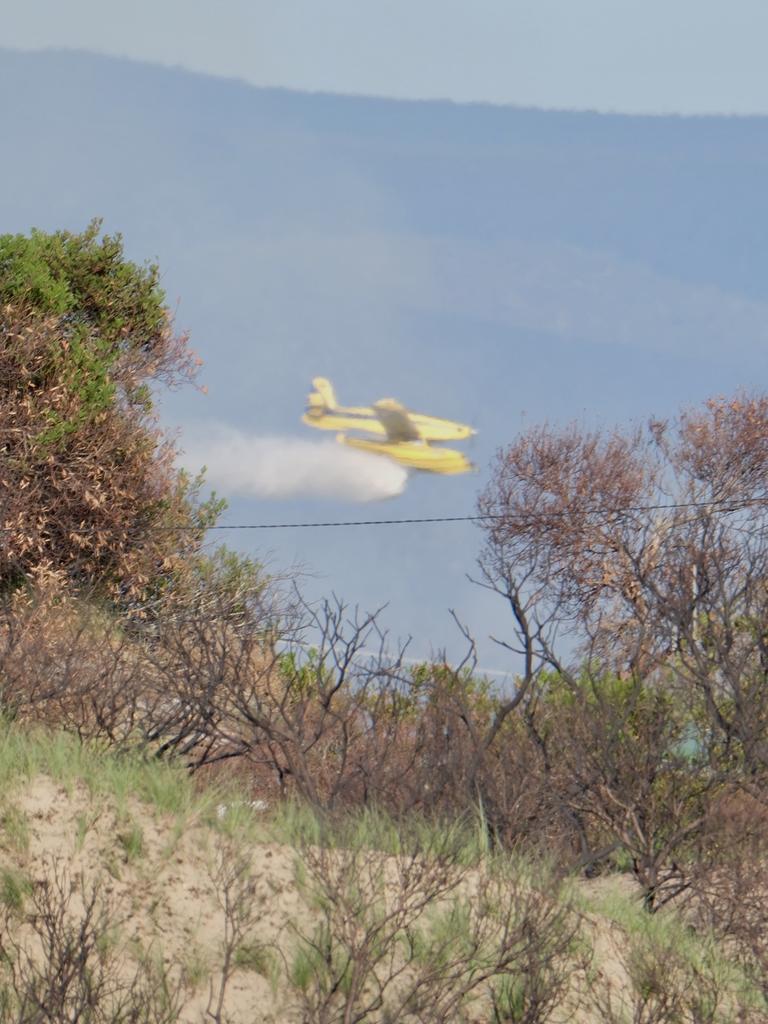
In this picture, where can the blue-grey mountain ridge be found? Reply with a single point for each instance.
(497, 265)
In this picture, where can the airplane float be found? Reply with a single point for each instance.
(399, 434)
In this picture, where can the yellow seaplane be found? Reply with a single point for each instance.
(398, 433)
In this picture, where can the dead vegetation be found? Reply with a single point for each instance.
(209, 917)
(638, 747)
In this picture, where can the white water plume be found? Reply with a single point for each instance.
(288, 467)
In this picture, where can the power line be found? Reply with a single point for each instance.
(721, 506)
(729, 506)
(353, 522)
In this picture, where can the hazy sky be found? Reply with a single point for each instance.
(686, 56)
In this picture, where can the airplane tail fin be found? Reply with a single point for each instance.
(324, 389)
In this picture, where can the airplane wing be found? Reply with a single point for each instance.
(396, 421)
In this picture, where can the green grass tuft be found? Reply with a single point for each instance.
(27, 752)
(14, 889)
(255, 956)
(14, 830)
(131, 841)
(300, 825)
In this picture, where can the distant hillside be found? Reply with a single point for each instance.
(474, 261)
(683, 196)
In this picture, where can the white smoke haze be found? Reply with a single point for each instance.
(288, 467)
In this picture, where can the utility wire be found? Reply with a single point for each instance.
(720, 505)
(354, 522)
(728, 506)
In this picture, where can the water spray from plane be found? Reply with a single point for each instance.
(284, 467)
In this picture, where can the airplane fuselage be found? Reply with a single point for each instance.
(430, 428)
(414, 454)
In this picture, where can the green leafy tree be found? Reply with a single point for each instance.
(88, 486)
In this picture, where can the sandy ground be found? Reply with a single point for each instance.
(166, 899)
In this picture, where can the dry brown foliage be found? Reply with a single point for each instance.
(664, 986)
(729, 890)
(421, 937)
(64, 663)
(647, 552)
(88, 482)
(62, 965)
(578, 537)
